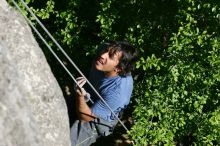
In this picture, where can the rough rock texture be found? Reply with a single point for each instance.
(33, 111)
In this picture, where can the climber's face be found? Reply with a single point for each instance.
(108, 61)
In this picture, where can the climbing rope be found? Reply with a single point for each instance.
(61, 49)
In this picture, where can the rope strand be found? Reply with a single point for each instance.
(45, 42)
(57, 44)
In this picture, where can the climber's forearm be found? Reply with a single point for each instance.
(84, 112)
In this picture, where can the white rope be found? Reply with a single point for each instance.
(45, 42)
(27, 7)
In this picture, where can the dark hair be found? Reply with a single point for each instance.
(128, 58)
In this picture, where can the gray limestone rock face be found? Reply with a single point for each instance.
(33, 111)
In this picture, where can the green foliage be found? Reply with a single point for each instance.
(180, 93)
(176, 95)
(44, 13)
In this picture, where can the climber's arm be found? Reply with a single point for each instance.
(84, 111)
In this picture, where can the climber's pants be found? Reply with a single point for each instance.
(86, 133)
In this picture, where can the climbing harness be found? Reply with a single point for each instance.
(61, 49)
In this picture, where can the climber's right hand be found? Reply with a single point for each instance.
(80, 91)
(80, 82)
